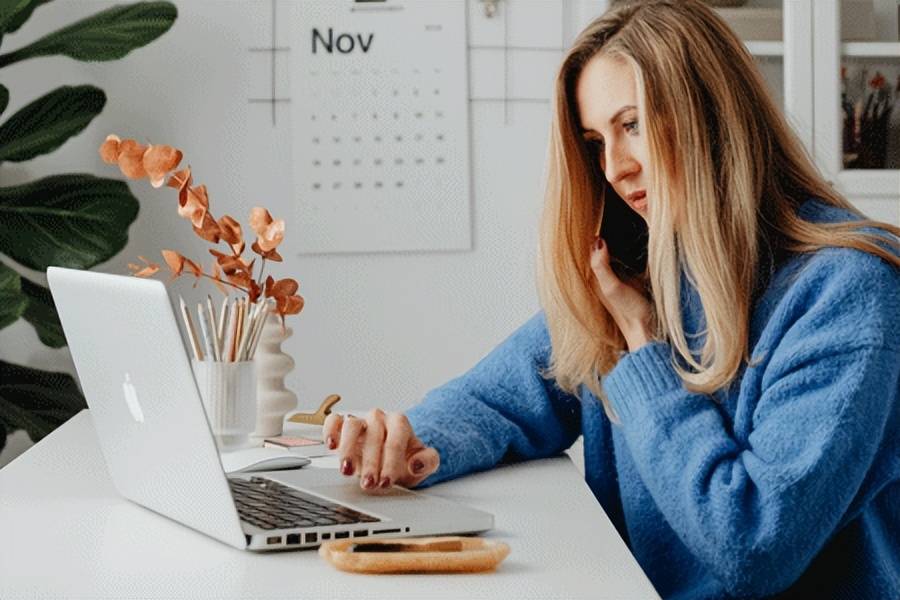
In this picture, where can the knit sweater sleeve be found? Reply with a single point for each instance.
(757, 511)
(501, 409)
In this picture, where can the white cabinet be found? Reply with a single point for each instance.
(855, 141)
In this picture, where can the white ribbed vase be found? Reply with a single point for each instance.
(273, 400)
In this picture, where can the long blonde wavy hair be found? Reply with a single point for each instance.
(726, 178)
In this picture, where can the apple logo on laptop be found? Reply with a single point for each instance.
(131, 399)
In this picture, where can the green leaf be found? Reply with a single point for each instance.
(12, 301)
(74, 220)
(45, 124)
(16, 12)
(4, 98)
(41, 312)
(36, 401)
(107, 35)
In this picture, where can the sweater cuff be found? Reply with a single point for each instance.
(641, 378)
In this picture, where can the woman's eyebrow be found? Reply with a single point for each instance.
(619, 113)
(612, 121)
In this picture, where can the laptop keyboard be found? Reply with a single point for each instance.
(271, 505)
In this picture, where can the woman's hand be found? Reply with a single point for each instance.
(381, 449)
(626, 302)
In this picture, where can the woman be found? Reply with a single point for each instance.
(727, 345)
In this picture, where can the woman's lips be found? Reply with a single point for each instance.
(639, 201)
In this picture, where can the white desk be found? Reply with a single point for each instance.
(66, 533)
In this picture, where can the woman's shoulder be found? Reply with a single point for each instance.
(840, 289)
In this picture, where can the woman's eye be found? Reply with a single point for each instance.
(632, 126)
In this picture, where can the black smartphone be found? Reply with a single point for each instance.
(625, 233)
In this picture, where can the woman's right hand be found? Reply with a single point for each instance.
(381, 449)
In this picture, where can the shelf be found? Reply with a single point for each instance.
(871, 49)
(765, 48)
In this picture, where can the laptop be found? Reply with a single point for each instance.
(160, 451)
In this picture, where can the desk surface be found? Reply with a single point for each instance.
(66, 533)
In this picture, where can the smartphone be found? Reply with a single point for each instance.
(625, 234)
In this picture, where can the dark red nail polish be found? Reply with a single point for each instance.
(368, 482)
(418, 466)
(386, 482)
(330, 442)
(347, 467)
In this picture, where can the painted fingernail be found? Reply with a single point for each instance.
(386, 482)
(347, 467)
(330, 442)
(418, 466)
(368, 482)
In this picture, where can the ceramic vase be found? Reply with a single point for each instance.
(273, 399)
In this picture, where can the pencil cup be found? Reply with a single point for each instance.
(228, 391)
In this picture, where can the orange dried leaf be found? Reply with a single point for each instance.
(285, 287)
(294, 305)
(240, 278)
(181, 179)
(209, 230)
(149, 269)
(254, 291)
(109, 150)
(175, 261)
(193, 267)
(230, 231)
(259, 219)
(193, 204)
(268, 255)
(217, 278)
(159, 160)
(131, 159)
(272, 235)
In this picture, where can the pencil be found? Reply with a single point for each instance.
(258, 317)
(248, 324)
(259, 328)
(239, 329)
(191, 332)
(223, 319)
(229, 332)
(204, 331)
(212, 322)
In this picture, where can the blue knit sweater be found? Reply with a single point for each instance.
(788, 482)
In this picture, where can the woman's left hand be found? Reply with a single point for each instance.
(626, 302)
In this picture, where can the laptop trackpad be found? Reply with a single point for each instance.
(381, 503)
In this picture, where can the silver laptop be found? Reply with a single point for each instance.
(160, 451)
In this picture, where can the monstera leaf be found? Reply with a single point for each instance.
(108, 35)
(45, 124)
(12, 301)
(36, 401)
(15, 12)
(69, 220)
(41, 313)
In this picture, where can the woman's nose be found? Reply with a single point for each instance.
(619, 165)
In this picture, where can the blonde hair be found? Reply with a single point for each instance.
(727, 177)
